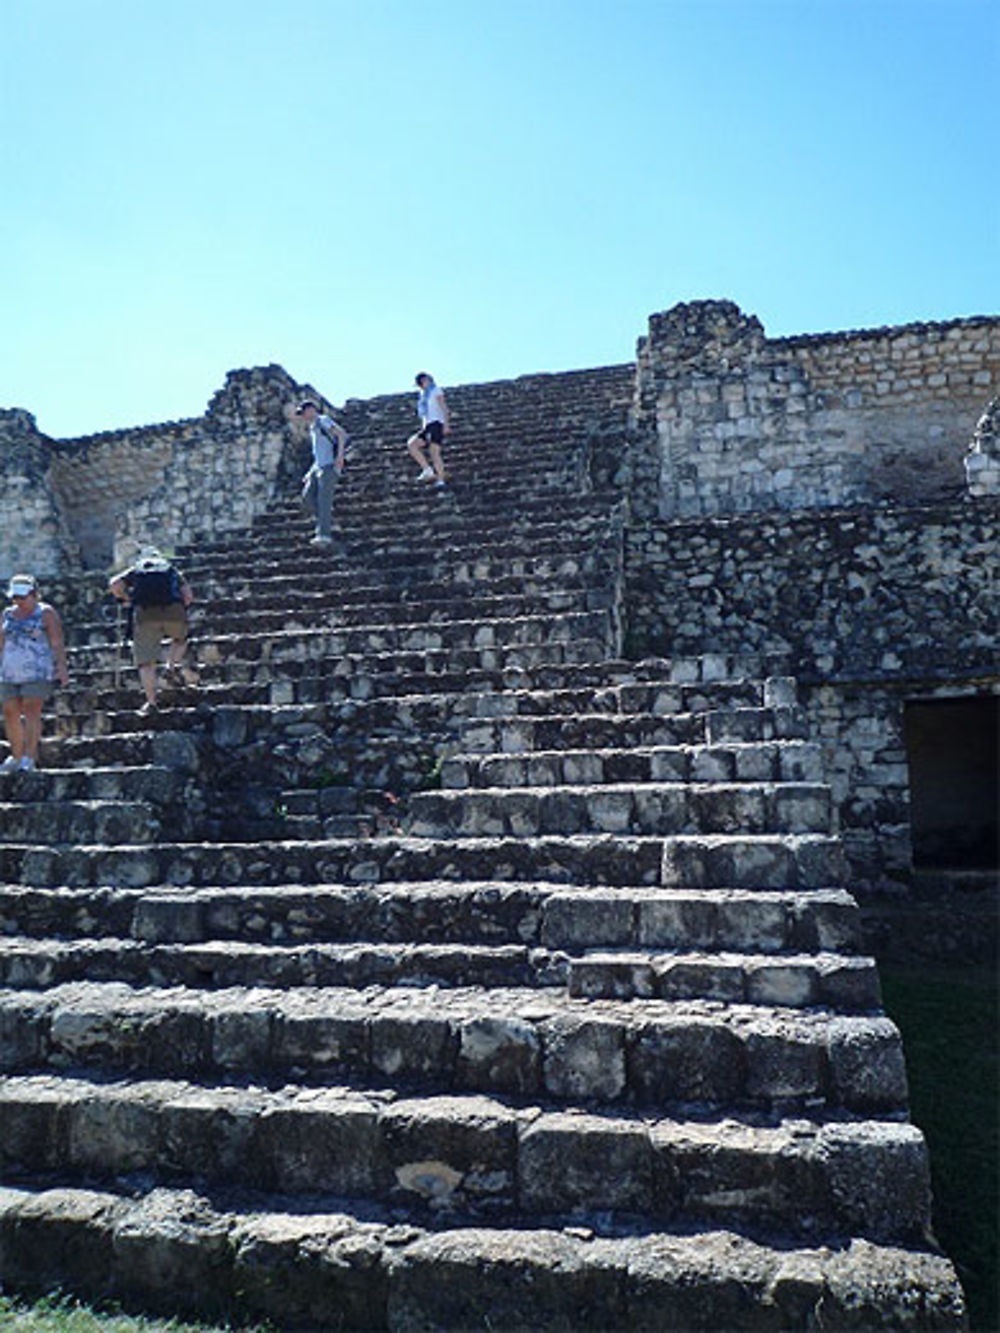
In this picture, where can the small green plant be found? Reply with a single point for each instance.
(430, 779)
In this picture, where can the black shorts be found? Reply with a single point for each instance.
(433, 432)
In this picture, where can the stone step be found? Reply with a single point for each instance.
(388, 675)
(476, 1157)
(362, 553)
(327, 609)
(364, 676)
(526, 734)
(799, 861)
(638, 808)
(763, 761)
(414, 636)
(660, 697)
(412, 531)
(378, 561)
(406, 582)
(793, 981)
(476, 912)
(176, 1251)
(150, 783)
(32, 963)
(527, 1043)
(415, 508)
(54, 822)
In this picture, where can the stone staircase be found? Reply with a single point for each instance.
(430, 966)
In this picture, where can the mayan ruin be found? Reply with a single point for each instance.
(487, 935)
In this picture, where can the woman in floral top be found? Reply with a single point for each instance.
(32, 654)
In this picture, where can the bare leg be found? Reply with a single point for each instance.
(147, 676)
(437, 462)
(32, 710)
(415, 446)
(12, 726)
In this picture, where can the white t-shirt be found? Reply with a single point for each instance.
(434, 410)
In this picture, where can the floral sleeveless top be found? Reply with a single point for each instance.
(27, 653)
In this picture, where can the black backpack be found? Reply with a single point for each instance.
(155, 587)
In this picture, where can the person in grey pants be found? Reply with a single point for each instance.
(329, 446)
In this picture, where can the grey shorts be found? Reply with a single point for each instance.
(28, 689)
(153, 624)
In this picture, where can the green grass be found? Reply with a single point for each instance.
(64, 1315)
(949, 1020)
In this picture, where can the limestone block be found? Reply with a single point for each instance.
(583, 1059)
(570, 1161)
(867, 1072)
(612, 976)
(320, 1141)
(32, 1123)
(717, 978)
(503, 1054)
(453, 1152)
(693, 1060)
(784, 1063)
(879, 1179)
(415, 1046)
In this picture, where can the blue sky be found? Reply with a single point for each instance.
(358, 189)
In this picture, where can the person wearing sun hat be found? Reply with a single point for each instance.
(158, 596)
(32, 655)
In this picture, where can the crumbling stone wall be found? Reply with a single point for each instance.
(729, 421)
(33, 530)
(92, 501)
(223, 469)
(982, 462)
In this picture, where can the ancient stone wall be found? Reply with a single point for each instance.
(92, 501)
(840, 594)
(34, 536)
(982, 462)
(729, 421)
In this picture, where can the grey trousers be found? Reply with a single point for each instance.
(318, 492)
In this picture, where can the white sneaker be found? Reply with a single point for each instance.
(26, 764)
(427, 474)
(9, 764)
(321, 541)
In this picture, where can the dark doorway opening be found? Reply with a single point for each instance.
(953, 753)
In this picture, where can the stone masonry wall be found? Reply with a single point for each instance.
(865, 608)
(91, 502)
(33, 532)
(982, 462)
(842, 594)
(729, 421)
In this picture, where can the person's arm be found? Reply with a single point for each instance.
(53, 628)
(446, 419)
(187, 596)
(118, 587)
(338, 453)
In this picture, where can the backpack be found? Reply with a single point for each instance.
(348, 442)
(155, 587)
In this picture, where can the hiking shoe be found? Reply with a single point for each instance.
(440, 485)
(426, 475)
(321, 541)
(26, 764)
(9, 764)
(146, 709)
